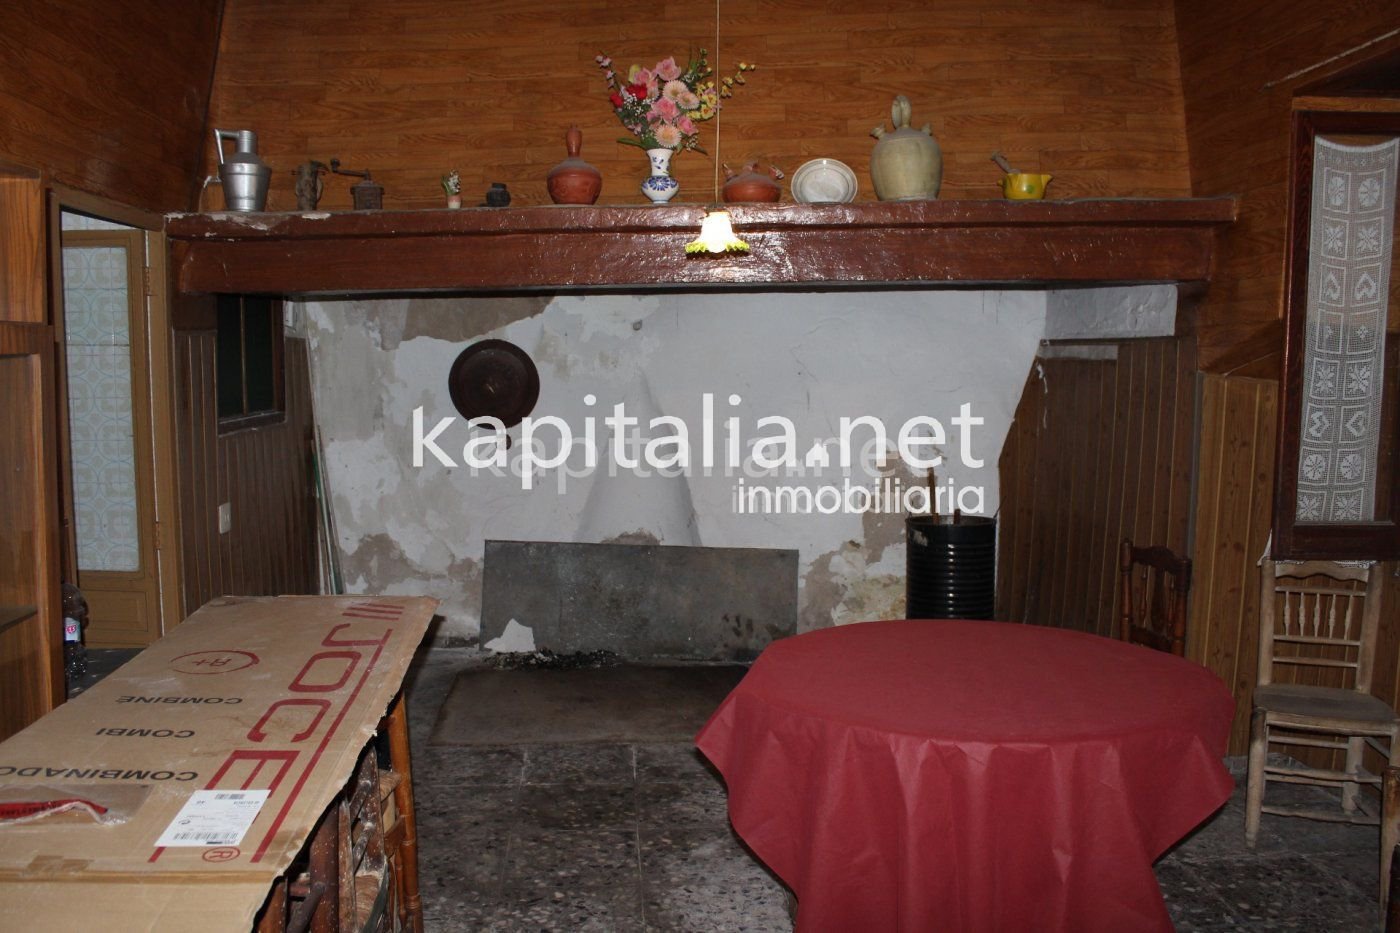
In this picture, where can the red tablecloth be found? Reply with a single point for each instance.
(970, 776)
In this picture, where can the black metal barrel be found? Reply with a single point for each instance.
(950, 567)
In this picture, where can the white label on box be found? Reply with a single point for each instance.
(214, 818)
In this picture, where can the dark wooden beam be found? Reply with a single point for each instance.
(931, 242)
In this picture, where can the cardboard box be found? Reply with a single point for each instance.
(276, 694)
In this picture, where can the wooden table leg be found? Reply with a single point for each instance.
(397, 722)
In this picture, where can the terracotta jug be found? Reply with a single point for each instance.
(907, 164)
(751, 184)
(574, 181)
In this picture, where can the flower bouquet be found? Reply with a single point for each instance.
(661, 106)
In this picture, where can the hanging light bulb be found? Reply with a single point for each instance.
(716, 232)
(716, 236)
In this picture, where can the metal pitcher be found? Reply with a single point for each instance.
(244, 176)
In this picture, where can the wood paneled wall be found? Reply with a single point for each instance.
(1239, 422)
(1103, 449)
(1239, 98)
(109, 97)
(23, 258)
(1085, 89)
(1100, 450)
(31, 626)
(1239, 65)
(263, 473)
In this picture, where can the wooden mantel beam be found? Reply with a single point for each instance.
(824, 245)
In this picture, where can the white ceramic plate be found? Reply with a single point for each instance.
(823, 180)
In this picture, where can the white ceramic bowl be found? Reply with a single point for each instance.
(823, 180)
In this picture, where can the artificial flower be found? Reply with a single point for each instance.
(663, 109)
(668, 135)
(667, 69)
(660, 106)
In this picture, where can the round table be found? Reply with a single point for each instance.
(956, 775)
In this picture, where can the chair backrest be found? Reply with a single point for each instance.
(1152, 604)
(1322, 615)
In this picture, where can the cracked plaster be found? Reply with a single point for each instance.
(811, 357)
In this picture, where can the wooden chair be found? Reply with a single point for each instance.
(1390, 838)
(1326, 632)
(1152, 606)
(359, 871)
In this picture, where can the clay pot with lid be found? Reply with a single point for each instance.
(751, 184)
(574, 181)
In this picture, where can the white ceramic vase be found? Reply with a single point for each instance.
(660, 187)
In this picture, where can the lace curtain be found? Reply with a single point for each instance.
(1353, 210)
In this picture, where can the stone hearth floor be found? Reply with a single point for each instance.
(635, 838)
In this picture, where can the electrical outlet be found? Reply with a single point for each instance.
(225, 518)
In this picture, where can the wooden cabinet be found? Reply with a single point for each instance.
(31, 628)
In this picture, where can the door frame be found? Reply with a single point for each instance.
(158, 406)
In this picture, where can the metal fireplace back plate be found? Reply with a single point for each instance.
(640, 601)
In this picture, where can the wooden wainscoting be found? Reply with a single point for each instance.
(264, 474)
(1100, 449)
(1239, 423)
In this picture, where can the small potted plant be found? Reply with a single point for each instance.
(452, 184)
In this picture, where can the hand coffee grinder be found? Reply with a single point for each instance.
(367, 195)
(243, 175)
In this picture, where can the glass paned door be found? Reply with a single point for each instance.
(101, 430)
(109, 448)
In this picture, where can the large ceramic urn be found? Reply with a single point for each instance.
(907, 164)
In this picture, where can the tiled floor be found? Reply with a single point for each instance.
(623, 838)
(1303, 875)
(100, 663)
(576, 837)
(585, 838)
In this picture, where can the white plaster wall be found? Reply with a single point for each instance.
(1112, 313)
(810, 357)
